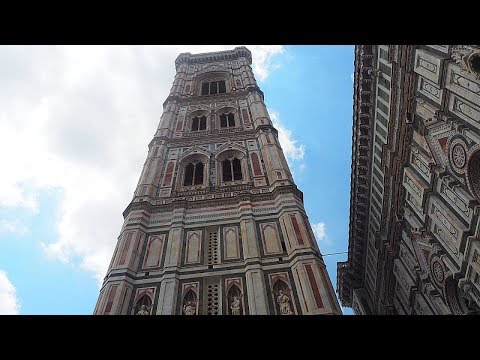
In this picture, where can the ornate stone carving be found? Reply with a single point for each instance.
(190, 307)
(468, 58)
(235, 306)
(284, 301)
(459, 156)
(144, 310)
(437, 271)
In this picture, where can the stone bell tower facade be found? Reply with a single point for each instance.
(216, 225)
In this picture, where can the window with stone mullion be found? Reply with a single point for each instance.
(193, 174)
(214, 87)
(199, 123)
(227, 120)
(231, 170)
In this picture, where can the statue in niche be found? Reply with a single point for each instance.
(235, 306)
(144, 310)
(284, 301)
(190, 307)
(144, 305)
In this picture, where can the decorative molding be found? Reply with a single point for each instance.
(464, 55)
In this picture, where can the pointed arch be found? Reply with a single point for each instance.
(153, 253)
(194, 167)
(213, 80)
(143, 305)
(198, 120)
(231, 165)
(227, 117)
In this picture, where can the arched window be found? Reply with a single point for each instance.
(199, 123)
(227, 120)
(193, 174)
(231, 170)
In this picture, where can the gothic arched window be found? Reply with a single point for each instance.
(193, 174)
(227, 120)
(199, 123)
(231, 170)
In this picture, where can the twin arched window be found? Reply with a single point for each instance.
(231, 170)
(227, 120)
(193, 174)
(199, 123)
(194, 171)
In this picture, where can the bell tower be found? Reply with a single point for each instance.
(216, 225)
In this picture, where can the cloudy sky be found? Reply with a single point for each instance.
(75, 122)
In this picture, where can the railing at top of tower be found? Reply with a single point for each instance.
(240, 51)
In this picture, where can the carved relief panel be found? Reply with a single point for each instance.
(462, 83)
(464, 109)
(446, 227)
(428, 65)
(430, 90)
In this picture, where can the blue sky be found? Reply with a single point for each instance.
(75, 123)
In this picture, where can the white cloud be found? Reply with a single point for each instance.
(9, 304)
(352, 77)
(77, 120)
(294, 153)
(319, 231)
(263, 59)
(15, 227)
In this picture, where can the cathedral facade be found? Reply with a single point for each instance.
(216, 225)
(415, 191)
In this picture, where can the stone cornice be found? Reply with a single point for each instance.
(187, 100)
(182, 202)
(213, 136)
(398, 159)
(351, 272)
(211, 57)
